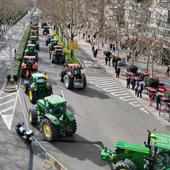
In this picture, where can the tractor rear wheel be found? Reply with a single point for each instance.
(50, 131)
(49, 90)
(84, 83)
(68, 82)
(72, 128)
(33, 116)
(33, 96)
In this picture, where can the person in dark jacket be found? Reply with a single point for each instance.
(117, 72)
(128, 82)
(158, 101)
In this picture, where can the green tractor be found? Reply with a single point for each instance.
(31, 51)
(54, 120)
(46, 30)
(37, 87)
(34, 40)
(154, 155)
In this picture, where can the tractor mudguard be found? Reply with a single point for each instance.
(107, 155)
(53, 119)
(69, 116)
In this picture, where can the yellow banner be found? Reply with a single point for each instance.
(73, 44)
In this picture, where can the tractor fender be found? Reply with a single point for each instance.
(69, 116)
(53, 119)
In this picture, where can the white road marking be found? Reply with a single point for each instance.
(144, 110)
(115, 90)
(108, 84)
(112, 88)
(11, 94)
(7, 109)
(9, 101)
(135, 104)
(119, 93)
(126, 98)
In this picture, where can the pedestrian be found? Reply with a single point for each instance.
(158, 101)
(140, 89)
(117, 72)
(113, 60)
(95, 51)
(106, 59)
(128, 82)
(133, 81)
(84, 35)
(167, 72)
(136, 88)
(93, 48)
(109, 59)
(111, 46)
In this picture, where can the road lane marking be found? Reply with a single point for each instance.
(7, 109)
(112, 88)
(119, 93)
(144, 110)
(135, 104)
(108, 84)
(9, 101)
(11, 94)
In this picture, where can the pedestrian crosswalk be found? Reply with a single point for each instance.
(7, 104)
(116, 89)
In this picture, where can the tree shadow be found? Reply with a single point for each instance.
(91, 93)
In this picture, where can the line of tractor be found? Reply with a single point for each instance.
(49, 112)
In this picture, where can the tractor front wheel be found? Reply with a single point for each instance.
(49, 90)
(50, 131)
(72, 128)
(125, 165)
(33, 96)
(68, 82)
(33, 116)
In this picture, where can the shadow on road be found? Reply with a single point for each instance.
(30, 161)
(91, 92)
(82, 149)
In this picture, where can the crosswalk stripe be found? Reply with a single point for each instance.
(135, 104)
(126, 98)
(108, 85)
(114, 90)
(99, 79)
(7, 109)
(119, 93)
(9, 101)
(8, 95)
(97, 82)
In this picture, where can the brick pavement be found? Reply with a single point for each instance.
(163, 117)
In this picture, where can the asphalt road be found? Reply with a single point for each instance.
(101, 117)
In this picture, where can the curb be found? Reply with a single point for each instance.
(5, 89)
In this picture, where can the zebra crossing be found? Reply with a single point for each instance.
(7, 105)
(116, 89)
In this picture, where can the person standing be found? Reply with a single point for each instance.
(167, 72)
(106, 59)
(140, 89)
(128, 82)
(133, 81)
(117, 72)
(136, 88)
(158, 101)
(111, 46)
(113, 60)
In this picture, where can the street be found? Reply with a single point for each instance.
(104, 110)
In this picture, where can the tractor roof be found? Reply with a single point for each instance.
(37, 75)
(33, 36)
(161, 140)
(31, 45)
(74, 65)
(58, 47)
(132, 147)
(54, 99)
(29, 57)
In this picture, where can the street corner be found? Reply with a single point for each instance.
(9, 86)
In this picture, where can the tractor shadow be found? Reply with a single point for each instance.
(81, 149)
(91, 93)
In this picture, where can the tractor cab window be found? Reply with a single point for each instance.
(162, 159)
(40, 80)
(76, 71)
(60, 108)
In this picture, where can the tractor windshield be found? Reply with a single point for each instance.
(162, 159)
(40, 80)
(76, 71)
(59, 108)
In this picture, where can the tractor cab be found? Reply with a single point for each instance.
(53, 42)
(75, 69)
(31, 50)
(34, 40)
(159, 155)
(48, 38)
(46, 30)
(34, 31)
(29, 60)
(57, 104)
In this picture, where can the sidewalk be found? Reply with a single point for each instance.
(144, 101)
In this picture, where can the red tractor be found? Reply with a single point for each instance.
(73, 77)
(28, 66)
